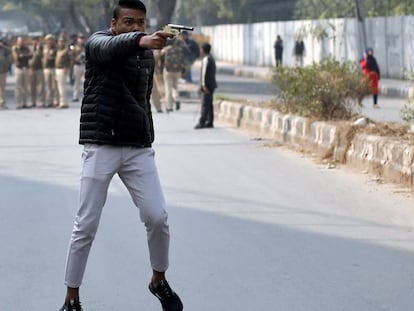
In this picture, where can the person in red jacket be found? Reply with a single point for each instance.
(371, 71)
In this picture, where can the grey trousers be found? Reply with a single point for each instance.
(137, 170)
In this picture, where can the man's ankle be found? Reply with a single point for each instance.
(157, 278)
(72, 294)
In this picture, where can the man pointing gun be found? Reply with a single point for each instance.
(116, 129)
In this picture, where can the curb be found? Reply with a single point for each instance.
(400, 92)
(391, 160)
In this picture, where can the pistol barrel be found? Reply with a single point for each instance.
(181, 27)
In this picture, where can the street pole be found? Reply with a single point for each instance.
(361, 13)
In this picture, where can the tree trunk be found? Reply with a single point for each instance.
(77, 25)
(165, 10)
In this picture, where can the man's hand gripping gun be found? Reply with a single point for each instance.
(176, 29)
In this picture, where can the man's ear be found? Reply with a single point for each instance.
(113, 24)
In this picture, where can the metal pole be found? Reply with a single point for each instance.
(361, 13)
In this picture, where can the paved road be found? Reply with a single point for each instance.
(253, 227)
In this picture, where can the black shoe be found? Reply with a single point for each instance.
(177, 105)
(74, 100)
(198, 126)
(209, 125)
(168, 298)
(72, 305)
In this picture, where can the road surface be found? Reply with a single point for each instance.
(253, 227)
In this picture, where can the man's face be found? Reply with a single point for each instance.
(19, 41)
(81, 41)
(61, 43)
(129, 20)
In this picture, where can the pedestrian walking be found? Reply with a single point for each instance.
(371, 71)
(191, 53)
(37, 83)
(49, 72)
(21, 55)
(62, 68)
(78, 56)
(5, 63)
(172, 56)
(278, 46)
(207, 86)
(117, 132)
(299, 52)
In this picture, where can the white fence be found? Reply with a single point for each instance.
(391, 38)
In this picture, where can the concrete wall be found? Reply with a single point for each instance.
(252, 44)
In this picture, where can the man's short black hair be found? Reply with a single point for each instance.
(129, 4)
(206, 47)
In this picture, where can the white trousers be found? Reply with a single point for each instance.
(22, 86)
(62, 82)
(137, 170)
(78, 75)
(171, 88)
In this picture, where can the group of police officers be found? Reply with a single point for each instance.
(43, 67)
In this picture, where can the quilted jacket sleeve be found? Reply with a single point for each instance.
(103, 46)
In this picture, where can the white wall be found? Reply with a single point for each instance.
(252, 44)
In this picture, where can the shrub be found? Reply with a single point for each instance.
(327, 90)
(407, 113)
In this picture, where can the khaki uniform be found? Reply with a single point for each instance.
(78, 70)
(156, 93)
(49, 74)
(173, 59)
(37, 83)
(21, 56)
(62, 65)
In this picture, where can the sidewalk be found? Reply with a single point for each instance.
(388, 87)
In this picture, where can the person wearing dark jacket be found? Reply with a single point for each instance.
(371, 71)
(116, 130)
(207, 86)
(278, 46)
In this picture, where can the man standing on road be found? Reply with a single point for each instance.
(21, 56)
(191, 53)
(37, 81)
(117, 131)
(49, 72)
(299, 52)
(207, 86)
(78, 67)
(172, 58)
(278, 46)
(5, 62)
(62, 68)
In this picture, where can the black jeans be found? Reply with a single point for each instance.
(207, 110)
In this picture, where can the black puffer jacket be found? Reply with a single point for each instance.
(118, 81)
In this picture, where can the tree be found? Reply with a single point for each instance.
(211, 12)
(318, 9)
(164, 12)
(84, 16)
